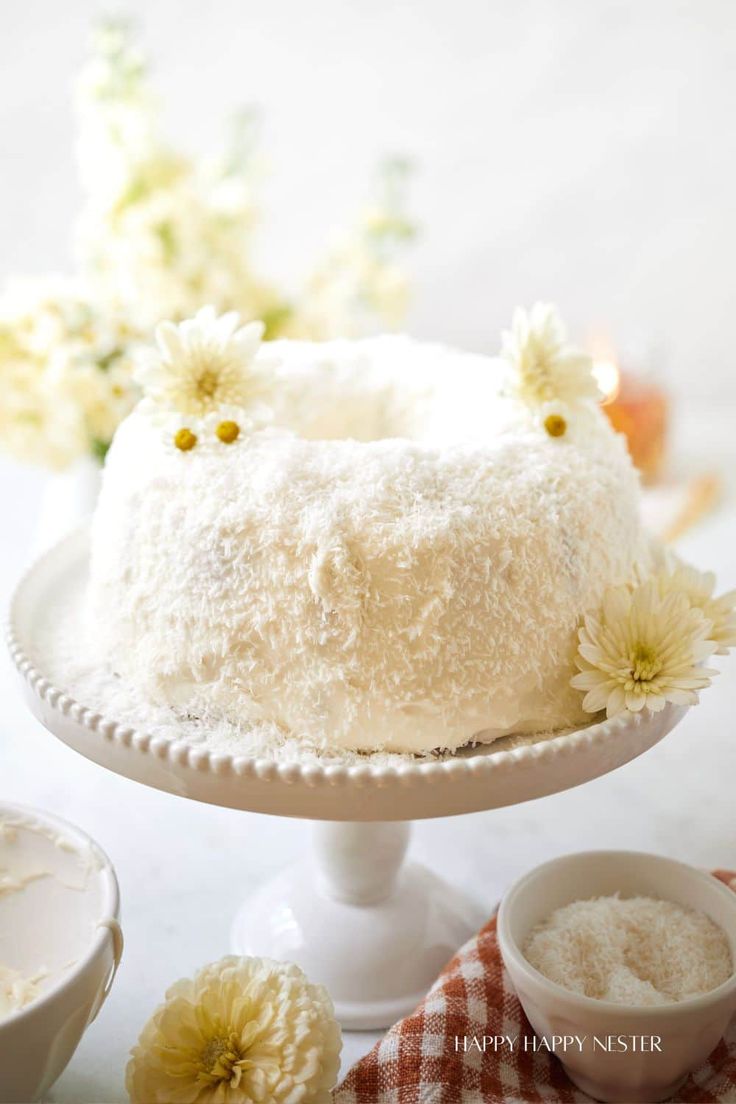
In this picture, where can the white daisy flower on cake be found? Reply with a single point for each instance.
(698, 586)
(243, 1029)
(644, 648)
(544, 368)
(559, 420)
(203, 364)
(223, 427)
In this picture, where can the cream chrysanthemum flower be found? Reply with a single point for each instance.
(544, 368)
(243, 1029)
(698, 586)
(645, 648)
(203, 364)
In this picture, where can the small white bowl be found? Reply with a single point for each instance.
(65, 923)
(688, 1031)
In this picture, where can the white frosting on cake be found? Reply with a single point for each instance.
(400, 561)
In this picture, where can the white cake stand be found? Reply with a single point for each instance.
(374, 929)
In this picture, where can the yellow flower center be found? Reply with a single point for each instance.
(555, 425)
(645, 664)
(207, 383)
(221, 1062)
(185, 440)
(228, 432)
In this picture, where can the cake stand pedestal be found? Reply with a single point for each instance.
(374, 930)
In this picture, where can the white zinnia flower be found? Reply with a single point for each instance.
(203, 364)
(645, 648)
(544, 368)
(243, 1029)
(698, 586)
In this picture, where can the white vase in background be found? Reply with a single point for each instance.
(67, 501)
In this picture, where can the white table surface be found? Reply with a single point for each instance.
(184, 867)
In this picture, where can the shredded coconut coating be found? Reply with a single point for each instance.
(406, 593)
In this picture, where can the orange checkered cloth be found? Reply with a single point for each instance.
(417, 1061)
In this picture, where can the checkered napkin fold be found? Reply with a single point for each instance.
(419, 1062)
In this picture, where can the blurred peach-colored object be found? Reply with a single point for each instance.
(636, 407)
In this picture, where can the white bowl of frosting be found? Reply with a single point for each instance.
(60, 945)
(640, 1040)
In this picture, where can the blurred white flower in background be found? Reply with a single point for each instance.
(160, 232)
(243, 1029)
(361, 278)
(65, 371)
(166, 233)
(160, 235)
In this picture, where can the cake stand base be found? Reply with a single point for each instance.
(373, 930)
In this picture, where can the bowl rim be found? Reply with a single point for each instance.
(456, 767)
(102, 933)
(509, 946)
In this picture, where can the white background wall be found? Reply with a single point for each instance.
(580, 150)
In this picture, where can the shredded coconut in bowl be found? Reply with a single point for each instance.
(631, 951)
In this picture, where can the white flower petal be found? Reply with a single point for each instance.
(682, 697)
(205, 317)
(616, 702)
(248, 339)
(586, 680)
(227, 324)
(597, 698)
(591, 653)
(168, 339)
